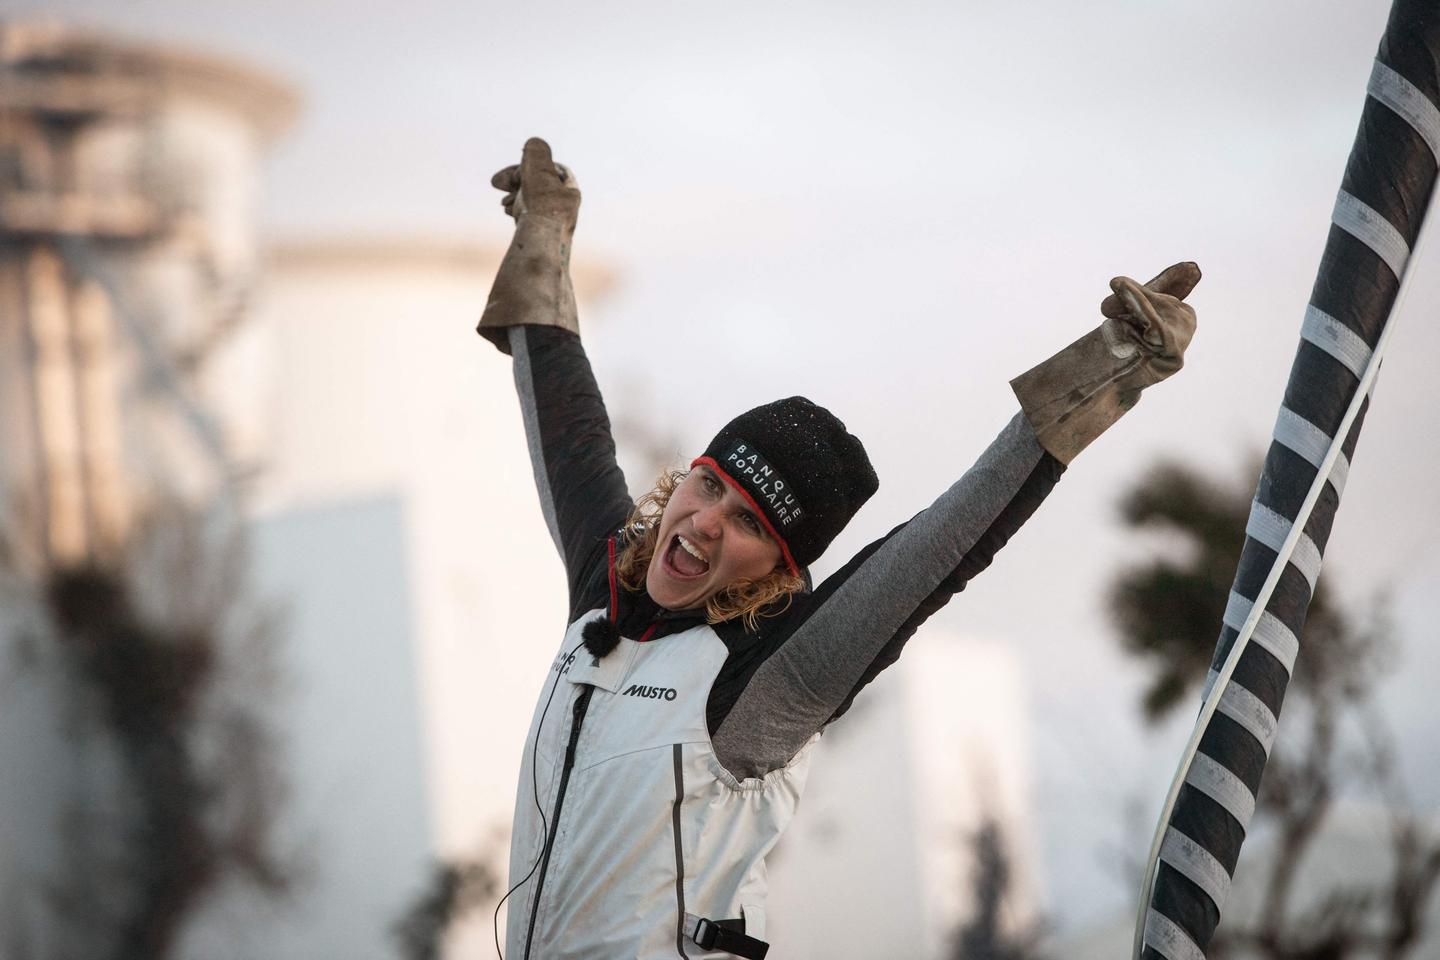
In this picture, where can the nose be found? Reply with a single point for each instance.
(709, 521)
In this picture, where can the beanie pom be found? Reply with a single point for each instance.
(601, 636)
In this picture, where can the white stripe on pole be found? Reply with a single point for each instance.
(1336, 339)
(1365, 223)
(1165, 935)
(1405, 98)
(1214, 779)
(1270, 633)
(1272, 529)
(1195, 863)
(1250, 712)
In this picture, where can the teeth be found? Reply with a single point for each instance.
(692, 551)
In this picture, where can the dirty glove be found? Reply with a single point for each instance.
(1074, 396)
(533, 285)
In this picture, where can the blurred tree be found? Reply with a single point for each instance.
(990, 933)
(455, 889)
(167, 670)
(1168, 609)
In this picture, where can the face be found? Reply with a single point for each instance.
(709, 538)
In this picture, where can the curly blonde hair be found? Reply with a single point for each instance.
(746, 598)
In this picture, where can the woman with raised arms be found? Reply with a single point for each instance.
(671, 739)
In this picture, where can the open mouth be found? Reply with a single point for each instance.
(683, 560)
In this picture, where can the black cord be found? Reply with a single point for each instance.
(535, 787)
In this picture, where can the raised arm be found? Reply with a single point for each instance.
(531, 316)
(807, 669)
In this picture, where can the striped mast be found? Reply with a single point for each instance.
(1386, 190)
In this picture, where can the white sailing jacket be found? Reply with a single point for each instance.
(657, 778)
(652, 828)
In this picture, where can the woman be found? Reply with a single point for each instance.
(670, 743)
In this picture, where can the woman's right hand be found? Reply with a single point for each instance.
(532, 285)
(539, 187)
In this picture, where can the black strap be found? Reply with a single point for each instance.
(728, 936)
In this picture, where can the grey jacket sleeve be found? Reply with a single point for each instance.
(808, 668)
(582, 491)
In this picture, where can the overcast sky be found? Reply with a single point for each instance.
(894, 208)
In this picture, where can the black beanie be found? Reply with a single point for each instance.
(802, 470)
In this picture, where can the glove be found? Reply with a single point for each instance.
(548, 194)
(533, 284)
(1077, 394)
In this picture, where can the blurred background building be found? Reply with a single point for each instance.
(882, 860)
(395, 506)
(129, 183)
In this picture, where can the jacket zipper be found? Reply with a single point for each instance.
(582, 703)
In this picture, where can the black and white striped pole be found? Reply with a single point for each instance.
(1386, 190)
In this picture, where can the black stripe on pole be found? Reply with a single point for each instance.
(1391, 170)
(1207, 823)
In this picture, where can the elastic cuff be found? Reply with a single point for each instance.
(1073, 397)
(532, 286)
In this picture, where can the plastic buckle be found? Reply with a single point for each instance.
(706, 933)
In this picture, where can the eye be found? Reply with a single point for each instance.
(712, 486)
(752, 524)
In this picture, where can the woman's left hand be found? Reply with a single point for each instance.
(1152, 320)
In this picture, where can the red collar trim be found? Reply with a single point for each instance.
(790, 563)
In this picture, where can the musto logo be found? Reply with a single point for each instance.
(650, 693)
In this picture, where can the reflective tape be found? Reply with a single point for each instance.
(1270, 633)
(1211, 778)
(1300, 436)
(1402, 96)
(1339, 474)
(1336, 339)
(1294, 432)
(1165, 937)
(1196, 864)
(1271, 529)
(1365, 224)
(1250, 712)
(1306, 558)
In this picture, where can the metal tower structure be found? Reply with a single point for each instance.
(128, 180)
